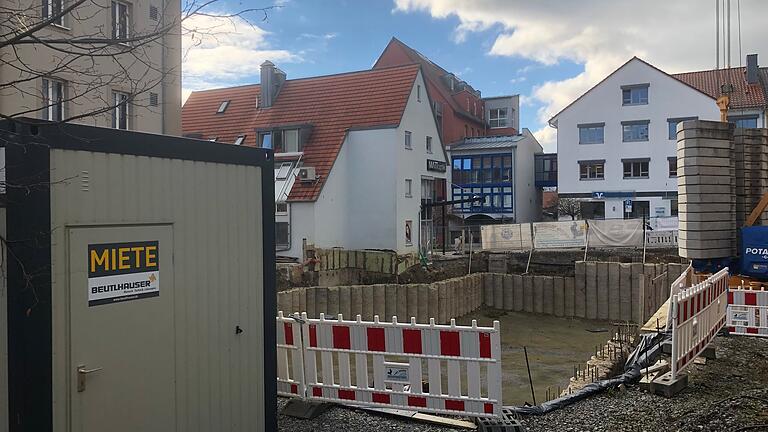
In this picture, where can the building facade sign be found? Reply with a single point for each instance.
(436, 165)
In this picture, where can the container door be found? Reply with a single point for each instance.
(121, 334)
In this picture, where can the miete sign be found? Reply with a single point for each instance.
(123, 271)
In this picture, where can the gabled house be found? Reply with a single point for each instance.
(356, 154)
(460, 110)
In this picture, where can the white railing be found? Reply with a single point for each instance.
(697, 314)
(340, 357)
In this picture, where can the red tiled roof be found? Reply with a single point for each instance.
(709, 81)
(198, 115)
(331, 104)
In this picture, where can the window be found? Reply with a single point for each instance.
(120, 20)
(120, 110)
(746, 122)
(282, 235)
(239, 140)
(635, 168)
(418, 93)
(634, 95)
(429, 144)
(466, 131)
(592, 170)
(153, 13)
(408, 188)
(52, 10)
(283, 171)
(593, 133)
(672, 161)
(672, 124)
(281, 208)
(635, 131)
(153, 99)
(673, 207)
(408, 140)
(265, 140)
(498, 117)
(291, 140)
(592, 209)
(222, 107)
(53, 99)
(487, 176)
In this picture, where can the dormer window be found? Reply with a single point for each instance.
(240, 139)
(281, 140)
(222, 107)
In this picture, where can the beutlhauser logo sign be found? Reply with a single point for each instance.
(120, 272)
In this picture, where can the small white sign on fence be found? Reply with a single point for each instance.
(559, 235)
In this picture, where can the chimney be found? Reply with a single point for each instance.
(267, 81)
(752, 68)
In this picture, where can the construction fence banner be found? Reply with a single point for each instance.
(663, 223)
(698, 313)
(747, 312)
(506, 237)
(560, 235)
(661, 239)
(615, 233)
(462, 364)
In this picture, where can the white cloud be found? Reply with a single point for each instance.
(220, 52)
(675, 36)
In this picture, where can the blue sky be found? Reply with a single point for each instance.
(548, 51)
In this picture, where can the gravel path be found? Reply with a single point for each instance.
(727, 394)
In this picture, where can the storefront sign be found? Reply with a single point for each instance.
(120, 272)
(614, 194)
(435, 165)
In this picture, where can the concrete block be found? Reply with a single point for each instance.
(367, 302)
(538, 294)
(433, 310)
(690, 235)
(558, 293)
(604, 286)
(518, 302)
(508, 300)
(592, 288)
(705, 189)
(707, 207)
(637, 270)
(311, 309)
(706, 253)
(704, 217)
(380, 301)
(720, 152)
(668, 387)
(580, 290)
(345, 302)
(704, 198)
(333, 301)
(488, 289)
(390, 301)
(284, 302)
(407, 302)
(303, 300)
(625, 292)
(355, 301)
(703, 226)
(614, 285)
(549, 295)
(442, 302)
(714, 162)
(528, 293)
(422, 310)
(321, 301)
(296, 295)
(498, 291)
(569, 288)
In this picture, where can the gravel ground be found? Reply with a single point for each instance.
(727, 394)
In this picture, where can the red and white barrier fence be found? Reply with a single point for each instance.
(675, 288)
(748, 312)
(290, 357)
(446, 369)
(698, 313)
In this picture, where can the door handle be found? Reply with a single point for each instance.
(82, 373)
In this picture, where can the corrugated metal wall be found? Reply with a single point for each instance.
(216, 214)
(3, 323)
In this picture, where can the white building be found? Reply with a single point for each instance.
(356, 154)
(615, 143)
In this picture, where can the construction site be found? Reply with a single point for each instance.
(573, 338)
